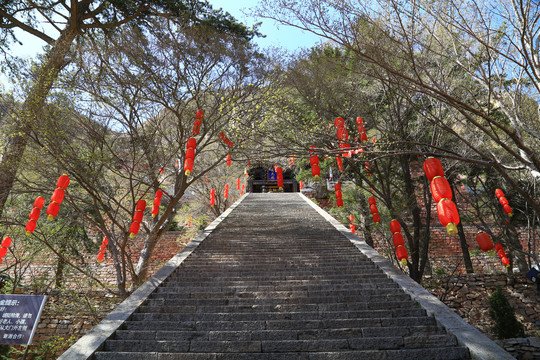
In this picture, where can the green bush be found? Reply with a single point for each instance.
(506, 325)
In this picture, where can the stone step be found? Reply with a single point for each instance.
(259, 335)
(290, 282)
(235, 316)
(278, 346)
(434, 353)
(276, 324)
(178, 288)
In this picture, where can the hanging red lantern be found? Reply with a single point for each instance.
(351, 218)
(339, 202)
(198, 122)
(226, 191)
(315, 171)
(507, 210)
(225, 139)
(3, 252)
(238, 184)
(30, 226)
(376, 218)
(484, 241)
(242, 190)
(212, 197)
(352, 228)
(229, 160)
(402, 255)
(448, 215)
(339, 122)
(373, 209)
(372, 200)
(157, 202)
(397, 238)
(191, 144)
(503, 201)
(432, 168)
(505, 261)
(359, 121)
(57, 196)
(499, 193)
(339, 162)
(62, 182)
(301, 184)
(498, 246)
(102, 249)
(6, 242)
(39, 202)
(279, 175)
(100, 257)
(395, 226)
(440, 188)
(337, 186)
(137, 218)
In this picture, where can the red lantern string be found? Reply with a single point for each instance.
(374, 210)
(226, 191)
(339, 195)
(57, 196)
(225, 139)
(238, 184)
(102, 249)
(279, 173)
(399, 243)
(191, 144)
(352, 227)
(212, 197)
(242, 190)
(301, 184)
(198, 122)
(229, 160)
(137, 218)
(314, 162)
(34, 215)
(484, 241)
(504, 202)
(502, 254)
(157, 202)
(4, 247)
(339, 162)
(442, 194)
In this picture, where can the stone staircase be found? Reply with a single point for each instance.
(275, 280)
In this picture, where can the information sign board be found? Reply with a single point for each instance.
(19, 316)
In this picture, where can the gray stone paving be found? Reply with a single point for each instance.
(275, 280)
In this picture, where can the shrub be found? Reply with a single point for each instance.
(506, 325)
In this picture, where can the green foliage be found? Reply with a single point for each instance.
(506, 325)
(202, 223)
(43, 350)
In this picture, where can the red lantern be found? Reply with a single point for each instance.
(339, 162)
(372, 200)
(402, 255)
(363, 137)
(63, 182)
(301, 184)
(505, 261)
(342, 134)
(432, 168)
(337, 186)
(34, 214)
(440, 188)
(498, 246)
(339, 202)
(6, 242)
(191, 143)
(100, 256)
(228, 159)
(359, 121)
(198, 122)
(141, 205)
(503, 201)
(315, 171)
(279, 172)
(395, 226)
(352, 228)
(58, 195)
(238, 184)
(226, 191)
(508, 210)
(242, 190)
(226, 139)
(3, 252)
(105, 241)
(134, 229)
(448, 215)
(373, 209)
(39, 202)
(339, 122)
(52, 210)
(499, 193)
(351, 218)
(30, 226)
(159, 194)
(397, 238)
(138, 216)
(212, 197)
(376, 218)
(484, 241)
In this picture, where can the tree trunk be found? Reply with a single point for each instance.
(364, 221)
(28, 115)
(465, 249)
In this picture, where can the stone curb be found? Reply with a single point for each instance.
(86, 346)
(480, 346)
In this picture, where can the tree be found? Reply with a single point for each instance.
(73, 20)
(464, 57)
(121, 131)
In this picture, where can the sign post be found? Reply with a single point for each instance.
(19, 316)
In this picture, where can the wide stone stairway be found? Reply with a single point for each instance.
(276, 280)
